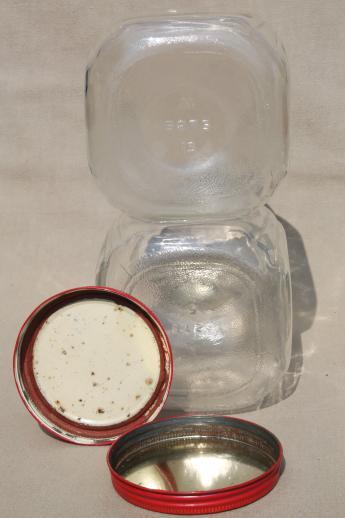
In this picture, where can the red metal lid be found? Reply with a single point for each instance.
(195, 464)
(91, 363)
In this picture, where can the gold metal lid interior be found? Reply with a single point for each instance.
(194, 454)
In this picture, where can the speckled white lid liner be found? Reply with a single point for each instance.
(96, 362)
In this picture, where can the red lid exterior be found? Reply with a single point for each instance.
(199, 502)
(52, 421)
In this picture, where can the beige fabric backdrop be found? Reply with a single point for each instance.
(53, 221)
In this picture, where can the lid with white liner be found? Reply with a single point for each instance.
(92, 362)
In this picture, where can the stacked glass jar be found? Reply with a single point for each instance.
(188, 136)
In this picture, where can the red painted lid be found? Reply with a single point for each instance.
(42, 397)
(195, 464)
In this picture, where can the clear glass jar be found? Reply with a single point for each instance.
(187, 128)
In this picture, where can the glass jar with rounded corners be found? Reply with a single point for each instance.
(222, 292)
(188, 136)
(187, 117)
